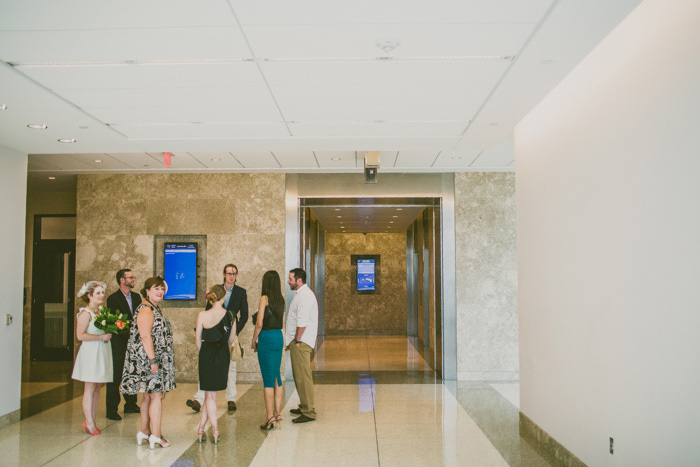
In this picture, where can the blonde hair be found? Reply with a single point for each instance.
(217, 292)
(88, 288)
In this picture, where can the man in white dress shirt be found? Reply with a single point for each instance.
(300, 340)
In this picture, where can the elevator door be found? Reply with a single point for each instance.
(53, 280)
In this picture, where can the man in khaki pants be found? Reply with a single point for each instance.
(300, 340)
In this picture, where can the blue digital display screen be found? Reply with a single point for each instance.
(365, 274)
(180, 271)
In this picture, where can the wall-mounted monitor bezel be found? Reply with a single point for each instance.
(159, 260)
(377, 274)
(189, 269)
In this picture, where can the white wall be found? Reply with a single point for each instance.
(608, 215)
(13, 192)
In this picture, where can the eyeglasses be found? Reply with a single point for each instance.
(230, 273)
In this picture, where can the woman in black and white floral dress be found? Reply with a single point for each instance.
(149, 366)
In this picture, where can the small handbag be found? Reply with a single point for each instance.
(236, 347)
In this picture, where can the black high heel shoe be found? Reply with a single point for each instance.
(269, 424)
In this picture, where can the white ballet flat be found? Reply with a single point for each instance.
(141, 437)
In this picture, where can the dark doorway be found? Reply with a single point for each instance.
(53, 286)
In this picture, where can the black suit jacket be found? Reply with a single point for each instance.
(117, 301)
(238, 305)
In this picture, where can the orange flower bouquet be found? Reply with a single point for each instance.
(114, 322)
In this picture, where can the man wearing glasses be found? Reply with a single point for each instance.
(237, 303)
(125, 301)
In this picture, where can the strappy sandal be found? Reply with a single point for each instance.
(269, 424)
(153, 440)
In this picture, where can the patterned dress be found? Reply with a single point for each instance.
(137, 376)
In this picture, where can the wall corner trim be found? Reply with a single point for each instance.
(9, 419)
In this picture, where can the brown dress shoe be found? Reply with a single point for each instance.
(194, 404)
(295, 411)
(303, 419)
(232, 406)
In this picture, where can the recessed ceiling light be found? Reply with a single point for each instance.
(399, 209)
(99, 161)
(391, 222)
(52, 178)
(456, 158)
(216, 159)
(67, 140)
(335, 158)
(337, 209)
(37, 126)
(338, 217)
(394, 216)
(342, 226)
(3, 106)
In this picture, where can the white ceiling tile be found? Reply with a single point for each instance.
(391, 11)
(368, 96)
(205, 114)
(347, 159)
(256, 160)
(327, 113)
(295, 159)
(497, 157)
(183, 97)
(181, 160)
(28, 103)
(384, 130)
(124, 44)
(108, 162)
(185, 132)
(84, 14)
(415, 158)
(139, 160)
(61, 161)
(447, 159)
(570, 32)
(292, 41)
(34, 164)
(226, 160)
(145, 76)
(385, 72)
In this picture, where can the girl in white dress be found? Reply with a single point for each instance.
(93, 365)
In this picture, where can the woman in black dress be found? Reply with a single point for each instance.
(213, 338)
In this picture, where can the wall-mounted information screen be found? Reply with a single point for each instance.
(180, 270)
(366, 275)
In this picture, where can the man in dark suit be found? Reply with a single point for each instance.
(237, 303)
(126, 302)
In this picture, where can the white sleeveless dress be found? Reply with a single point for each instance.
(94, 361)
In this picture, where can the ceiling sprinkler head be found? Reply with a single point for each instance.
(387, 44)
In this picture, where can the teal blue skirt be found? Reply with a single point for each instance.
(270, 348)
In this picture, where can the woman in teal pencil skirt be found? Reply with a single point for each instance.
(268, 342)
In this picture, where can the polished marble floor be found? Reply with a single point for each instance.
(378, 406)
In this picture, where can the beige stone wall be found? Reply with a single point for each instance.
(487, 279)
(242, 215)
(348, 313)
